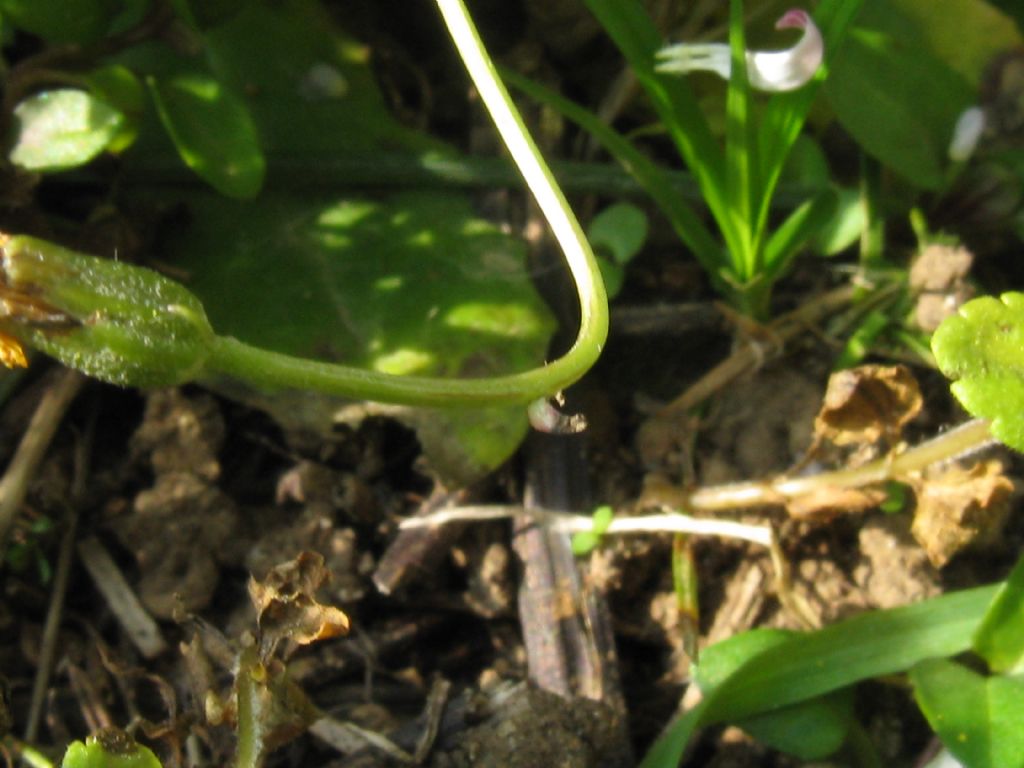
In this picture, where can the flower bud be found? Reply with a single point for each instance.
(784, 70)
(123, 324)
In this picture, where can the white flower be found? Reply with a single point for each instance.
(969, 127)
(767, 70)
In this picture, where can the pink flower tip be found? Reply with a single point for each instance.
(795, 18)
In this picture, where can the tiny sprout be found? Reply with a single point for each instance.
(784, 70)
(109, 748)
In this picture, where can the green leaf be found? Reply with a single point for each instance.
(289, 59)
(785, 114)
(794, 233)
(896, 497)
(965, 35)
(740, 680)
(208, 13)
(61, 129)
(620, 229)
(809, 730)
(862, 339)
(637, 37)
(109, 749)
(741, 154)
(845, 226)
(978, 718)
(1000, 636)
(585, 541)
(982, 347)
(279, 61)
(413, 284)
(895, 94)
(62, 21)
(212, 131)
(119, 87)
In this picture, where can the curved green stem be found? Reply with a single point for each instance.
(132, 327)
(270, 369)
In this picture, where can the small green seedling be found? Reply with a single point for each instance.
(617, 234)
(585, 542)
(738, 184)
(110, 748)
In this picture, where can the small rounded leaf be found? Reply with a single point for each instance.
(110, 748)
(621, 229)
(61, 129)
(982, 349)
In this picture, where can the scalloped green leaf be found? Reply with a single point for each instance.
(982, 349)
(61, 129)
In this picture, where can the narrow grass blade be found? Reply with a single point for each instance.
(807, 665)
(686, 587)
(634, 33)
(656, 182)
(794, 232)
(1000, 636)
(786, 113)
(740, 151)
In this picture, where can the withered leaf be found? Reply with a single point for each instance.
(868, 402)
(829, 502)
(280, 709)
(286, 605)
(960, 506)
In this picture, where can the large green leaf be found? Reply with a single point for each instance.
(62, 21)
(982, 347)
(308, 86)
(979, 719)
(899, 102)
(415, 284)
(907, 72)
(966, 35)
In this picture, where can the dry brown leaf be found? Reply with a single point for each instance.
(868, 402)
(960, 506)
(830, 502)
(286, 605)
